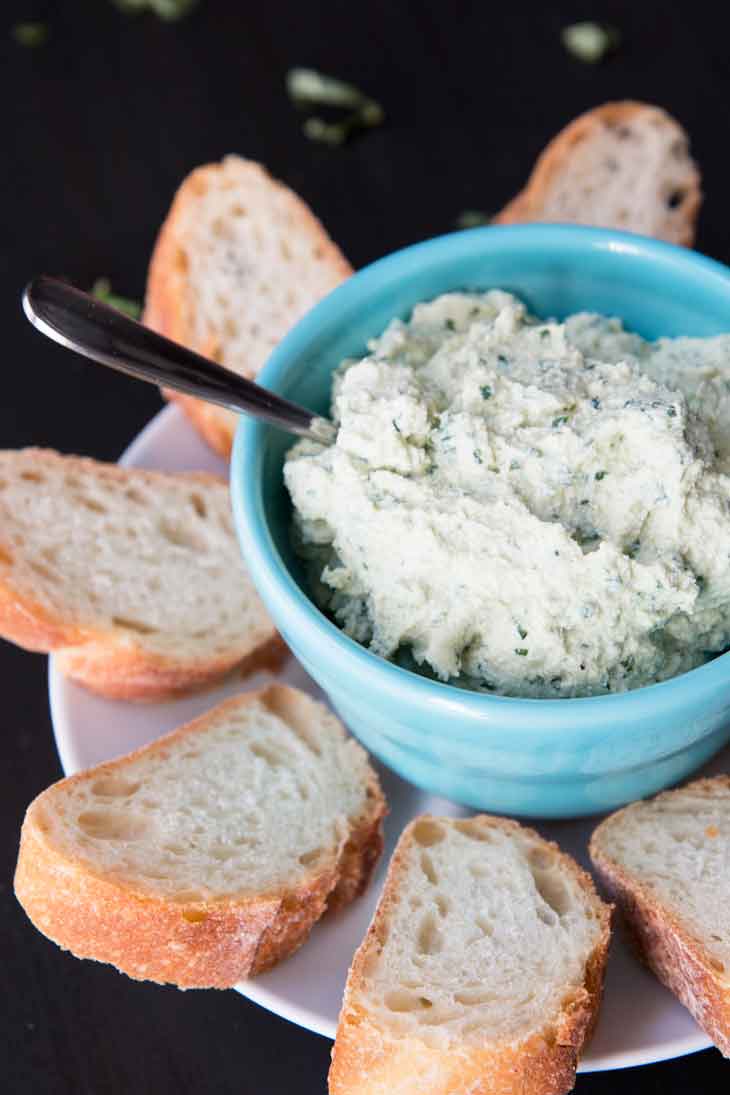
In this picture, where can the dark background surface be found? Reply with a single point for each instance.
(98, 127)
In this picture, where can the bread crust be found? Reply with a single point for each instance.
(527, 206)
(111, 663)
(121, 671)
(26, 623)
(362, 850)
(192, 944)
(369, 1060)
(168, 308)
(661, 938)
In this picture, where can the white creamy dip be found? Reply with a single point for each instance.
(532, 508)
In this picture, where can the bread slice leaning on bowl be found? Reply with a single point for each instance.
(239, 259)
(205, 857)
(481, 972)
(622, 165)
(666, 861)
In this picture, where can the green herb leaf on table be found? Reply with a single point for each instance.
(308, 89)
(590, 42)
(169, 10)
(333, 133)
(31, 34)
(102, 290)
(472, 218)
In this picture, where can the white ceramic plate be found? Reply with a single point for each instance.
(640, 1021)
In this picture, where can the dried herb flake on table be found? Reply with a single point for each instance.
(30, 34)
(169, 10)
(472, 218)
(310, 89)
(590, 42)
(102, 290)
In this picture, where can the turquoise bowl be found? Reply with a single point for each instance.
(539, 758)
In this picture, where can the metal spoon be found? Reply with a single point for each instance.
(82, 323)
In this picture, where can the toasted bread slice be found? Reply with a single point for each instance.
(239, 259)
(206, 857)
(667, 863)
(134, 578)
(622, 165)
(482, 970)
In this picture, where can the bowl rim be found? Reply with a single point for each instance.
(278, 586)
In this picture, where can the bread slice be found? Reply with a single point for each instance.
(239, 259)
(206, 857)
(134, 578)
(481, 972)
(667, 862)
(622, 165)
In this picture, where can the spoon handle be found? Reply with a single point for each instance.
(82, 323)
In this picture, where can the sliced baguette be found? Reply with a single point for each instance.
(481, 972)
(667, 863)
(206, 857)
(239, 259)
(622, 165)
(134, 578)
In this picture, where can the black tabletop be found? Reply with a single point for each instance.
(99, 125)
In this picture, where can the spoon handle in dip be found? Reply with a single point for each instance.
(80, 322)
